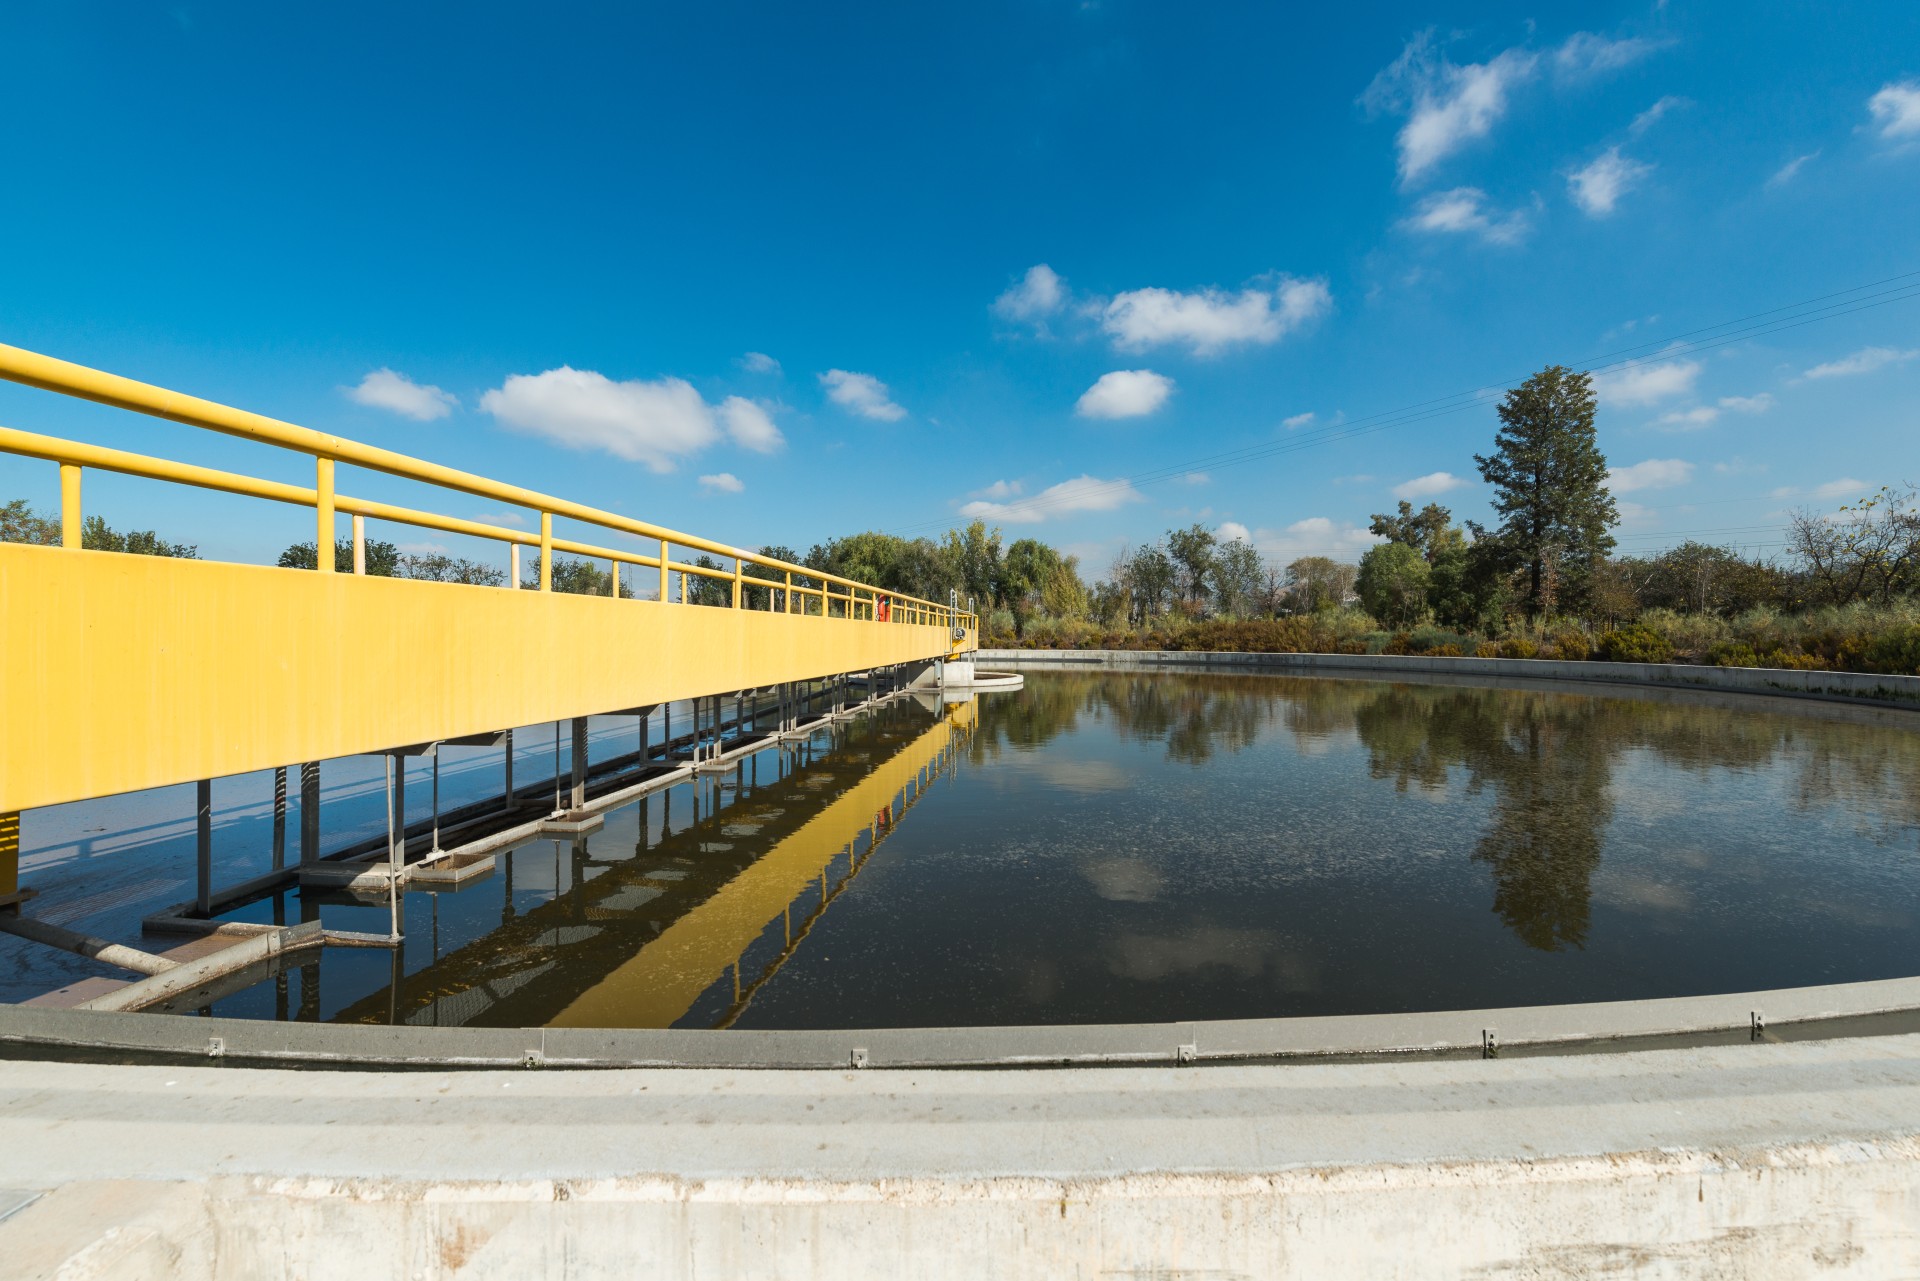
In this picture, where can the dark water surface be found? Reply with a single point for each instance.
(1126, 848)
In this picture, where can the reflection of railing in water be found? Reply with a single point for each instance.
(540, 959)
(883, 826)
(663, 980)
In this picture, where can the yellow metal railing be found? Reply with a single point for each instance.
(856, 600)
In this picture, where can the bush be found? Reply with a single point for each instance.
(1444, 651)
(1734, 654)
(1486, 649)
(1573, 645)
(1896, 651)
(1518, 647)
(1639, 643)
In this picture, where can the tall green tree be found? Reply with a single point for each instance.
(1393, 584)
(1315, 583)
(1428, 531)
(1550, 487)
(1191, 551)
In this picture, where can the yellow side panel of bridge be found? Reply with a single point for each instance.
(122, 672)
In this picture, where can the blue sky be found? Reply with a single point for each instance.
(771, 274)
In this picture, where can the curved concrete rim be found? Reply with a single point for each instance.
(1868, 688)
(27, 1031)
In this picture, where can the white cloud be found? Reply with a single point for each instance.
(1655, 473)
(998, 491)
(1037, 296)
(1437, 482)
(1639, 385)
(1314, 536)
(759, 362)
(724, 482)
(1688, 419)
(1864, 361)
(1081, 494)
(1785, 173)
(422, 549)
(1896, 109)
(1196, 478)
(1462, 211)
(648, 422)
(750, 426)
(1654, 114)
(1232, 531)
(1586, 54)
(1297, 421)
(399, 394)
(863, 394)
(1758, 404)
(1213, 319)
(1125, 393)
(1845, 487)
(1447, 106)
(1598, 186)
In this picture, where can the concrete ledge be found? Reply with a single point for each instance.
(1766, 1161)
(1546, 1028)
(1849, 687)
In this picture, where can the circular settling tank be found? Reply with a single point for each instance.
(1141, 848)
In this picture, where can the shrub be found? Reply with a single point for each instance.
(1895, 650)
(1444, 651)
(1573, 645)
(1518, 647)
(1734, 654)
(1793, 662)
(1486, 649)
(1639, 643)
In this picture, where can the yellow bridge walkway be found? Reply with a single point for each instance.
(122, 672)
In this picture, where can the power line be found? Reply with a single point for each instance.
(1805, 312)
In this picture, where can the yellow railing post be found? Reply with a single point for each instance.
(666, 578)
(789, 591)
(736, 582)
(323, 514)
(70, 525)
(359, 544)
(613, 587)
(546, 551)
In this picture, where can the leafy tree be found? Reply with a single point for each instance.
(1428, 531)
(437, 567)
(1315, 583)
(1550, 486)
(702, 590)
(1038, 577)
(1393, 584)
(383, 558)
(1150, 580)
(1191, 550)
(1869, 551)
(1467, 585)
(763, 597)
(19, 523)
(1239, 578)
(973, 558)
(97, 535)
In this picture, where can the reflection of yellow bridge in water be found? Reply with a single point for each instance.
(591, 953)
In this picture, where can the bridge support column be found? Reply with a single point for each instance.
(579, 797)
(279, 818)
(310, 812)
(203, 847)
(508, 797)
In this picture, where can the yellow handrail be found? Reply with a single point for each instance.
(67, 378)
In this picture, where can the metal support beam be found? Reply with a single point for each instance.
(203, 847)
(9, 857)
(579, 762)
(310, 812)
(508, 800)
(279, 818)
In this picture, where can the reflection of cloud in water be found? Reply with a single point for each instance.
(1081, 776)
(1638, 893)
(1124, 880)
(1148, 958)
(1872, 916)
